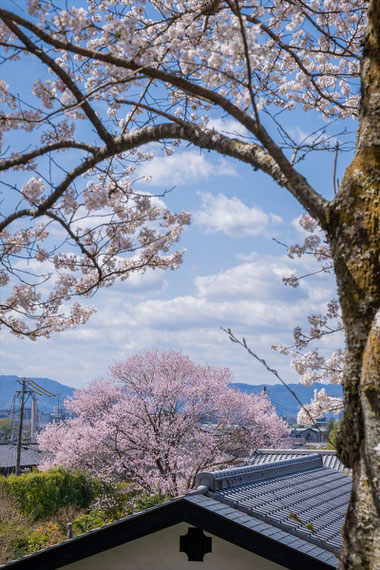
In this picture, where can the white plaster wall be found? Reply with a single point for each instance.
(160, 551)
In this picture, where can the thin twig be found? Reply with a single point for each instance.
(243, 343)
(335, 166)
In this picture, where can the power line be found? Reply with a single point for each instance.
(29, 388)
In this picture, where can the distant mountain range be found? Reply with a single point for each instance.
(9, 385)
(281, 397)
(284, 401)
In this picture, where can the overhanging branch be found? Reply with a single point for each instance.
(250, 153)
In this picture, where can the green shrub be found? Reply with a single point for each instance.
(333, 433)
(36, 507)
(118, 501)
(46, 534)
(86, 522)
(140, 500)
(14, 528)
(42, 494)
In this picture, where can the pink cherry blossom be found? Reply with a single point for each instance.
(158, 420)
(103, 64)
(311, 365)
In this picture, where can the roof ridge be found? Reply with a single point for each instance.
(228, 478)
(270, 451)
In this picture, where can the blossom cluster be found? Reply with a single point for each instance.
(113, 74)
(112, 232)
(311, 365)
(320, 405)
(280, 53)
(159, 420)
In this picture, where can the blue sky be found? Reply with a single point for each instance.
(230, 277)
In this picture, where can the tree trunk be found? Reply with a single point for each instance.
(353, 231)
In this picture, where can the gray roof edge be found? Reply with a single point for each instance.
(217, 480)
(270, 451)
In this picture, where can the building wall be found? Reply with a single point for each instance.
(308, 435)
(160, 551)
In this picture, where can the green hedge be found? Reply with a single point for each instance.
(41, 494)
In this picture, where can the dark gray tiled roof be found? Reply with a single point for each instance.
(288, 494)
(266, 529)
(29, 455)
(329, 457)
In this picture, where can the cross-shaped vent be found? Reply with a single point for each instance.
(195, 544)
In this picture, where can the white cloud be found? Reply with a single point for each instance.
(191, 312)
(246, 256)
(260, 279)
(231, 216)
(276, 219)
(299, 135)
(142, 283)
(183, 168)
(249, 298)
(228, 127)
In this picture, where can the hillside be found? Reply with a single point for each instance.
(281, 398)
(285, 403)
(9, 385)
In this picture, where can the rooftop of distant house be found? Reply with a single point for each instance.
(30, 456)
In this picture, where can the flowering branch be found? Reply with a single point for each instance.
(243, 343)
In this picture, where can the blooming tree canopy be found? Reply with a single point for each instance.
(159, 420)
(111, 76)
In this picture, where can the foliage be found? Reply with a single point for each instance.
(86, 522)
(126, 500)
(14, 527)
(333, 433)
(112, 77)
(117, 500)
(306, 356)
(20, 534)
(6, 426)
(42, 494)
(65, 515)
(138, 501)
(46, 534)
(158, 421)
(330, 426)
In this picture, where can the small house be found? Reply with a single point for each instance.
(272, 516)
(309, 434)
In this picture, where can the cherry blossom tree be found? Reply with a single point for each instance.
(158, 71)
(159, 420)
(306, 356)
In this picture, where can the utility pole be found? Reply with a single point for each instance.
(30, 388)
(19, 436)
(13, 415)
(33, 419)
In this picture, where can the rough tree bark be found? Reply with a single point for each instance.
(353, 231)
